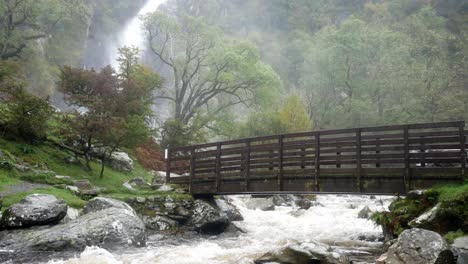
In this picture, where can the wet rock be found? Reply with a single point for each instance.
(72, 214)
(159, 223)
(462, 257)
(165, 188)
(71, 160)
(419, 246)
(297, 213)
(426, 219)
(138, 182)
(62, 177)
(304, 204)
(22, 168)
(370, 238)
(127, 186)
(159, 178)
(83, 184)
(461, 243)
(415, 194)
(352, 206)
(102, 203)
(207, 219)
(108, 228)
(263, 204)
(365, 213)
(304, 253)
(372, 197)
(33, 210)
(121, 161)
(229, 209)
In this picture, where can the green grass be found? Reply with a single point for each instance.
(67, 196)
(6, 180)
(48, 156)
(449, 193)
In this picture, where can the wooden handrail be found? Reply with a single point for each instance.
(415, 148)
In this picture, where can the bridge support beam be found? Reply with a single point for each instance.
(317, 161)
(407, 174)
(462, 151)
(358, 160)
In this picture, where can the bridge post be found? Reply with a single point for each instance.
(246, 164)
(358, 160)
(218, 167)
(377, 152)
(280, 162)
(168, 165)
(407, 174)
(317, 160)
(462, 151)
(192, 168)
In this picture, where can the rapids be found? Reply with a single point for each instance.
(333, 221)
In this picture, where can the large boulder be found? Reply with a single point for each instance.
(121, 161)
(418, 246)
(304, 204)
(33, 210)
(207, 219)
(101, 203)
(365, 212)
(229, 209)
(304, 253)
(460, 249)
(263, 204)
(108, 228)
(159, 223)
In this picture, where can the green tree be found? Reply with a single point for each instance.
(115, 107)
(210, 73)
(22, 114)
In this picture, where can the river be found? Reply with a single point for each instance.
(332, 220)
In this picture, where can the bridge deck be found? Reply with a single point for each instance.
(373, 160)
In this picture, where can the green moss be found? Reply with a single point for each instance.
(69, 198)
(403, 210)
(452, 235)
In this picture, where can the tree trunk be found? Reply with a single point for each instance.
(101, 175)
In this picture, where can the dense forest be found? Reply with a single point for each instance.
(255, 67)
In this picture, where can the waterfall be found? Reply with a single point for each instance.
(133, 33)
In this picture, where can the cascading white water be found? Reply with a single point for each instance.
(333, 221)
(133, 34)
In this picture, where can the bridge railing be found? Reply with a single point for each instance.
(384, 159)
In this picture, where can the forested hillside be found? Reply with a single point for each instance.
(293, 64)
(355, 62)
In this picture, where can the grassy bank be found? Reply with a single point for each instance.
(48, 160)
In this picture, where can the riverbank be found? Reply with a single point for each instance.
(331, 219)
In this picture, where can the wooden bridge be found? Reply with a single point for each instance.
(381, 160)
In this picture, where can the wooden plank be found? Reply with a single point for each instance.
(455, 124)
